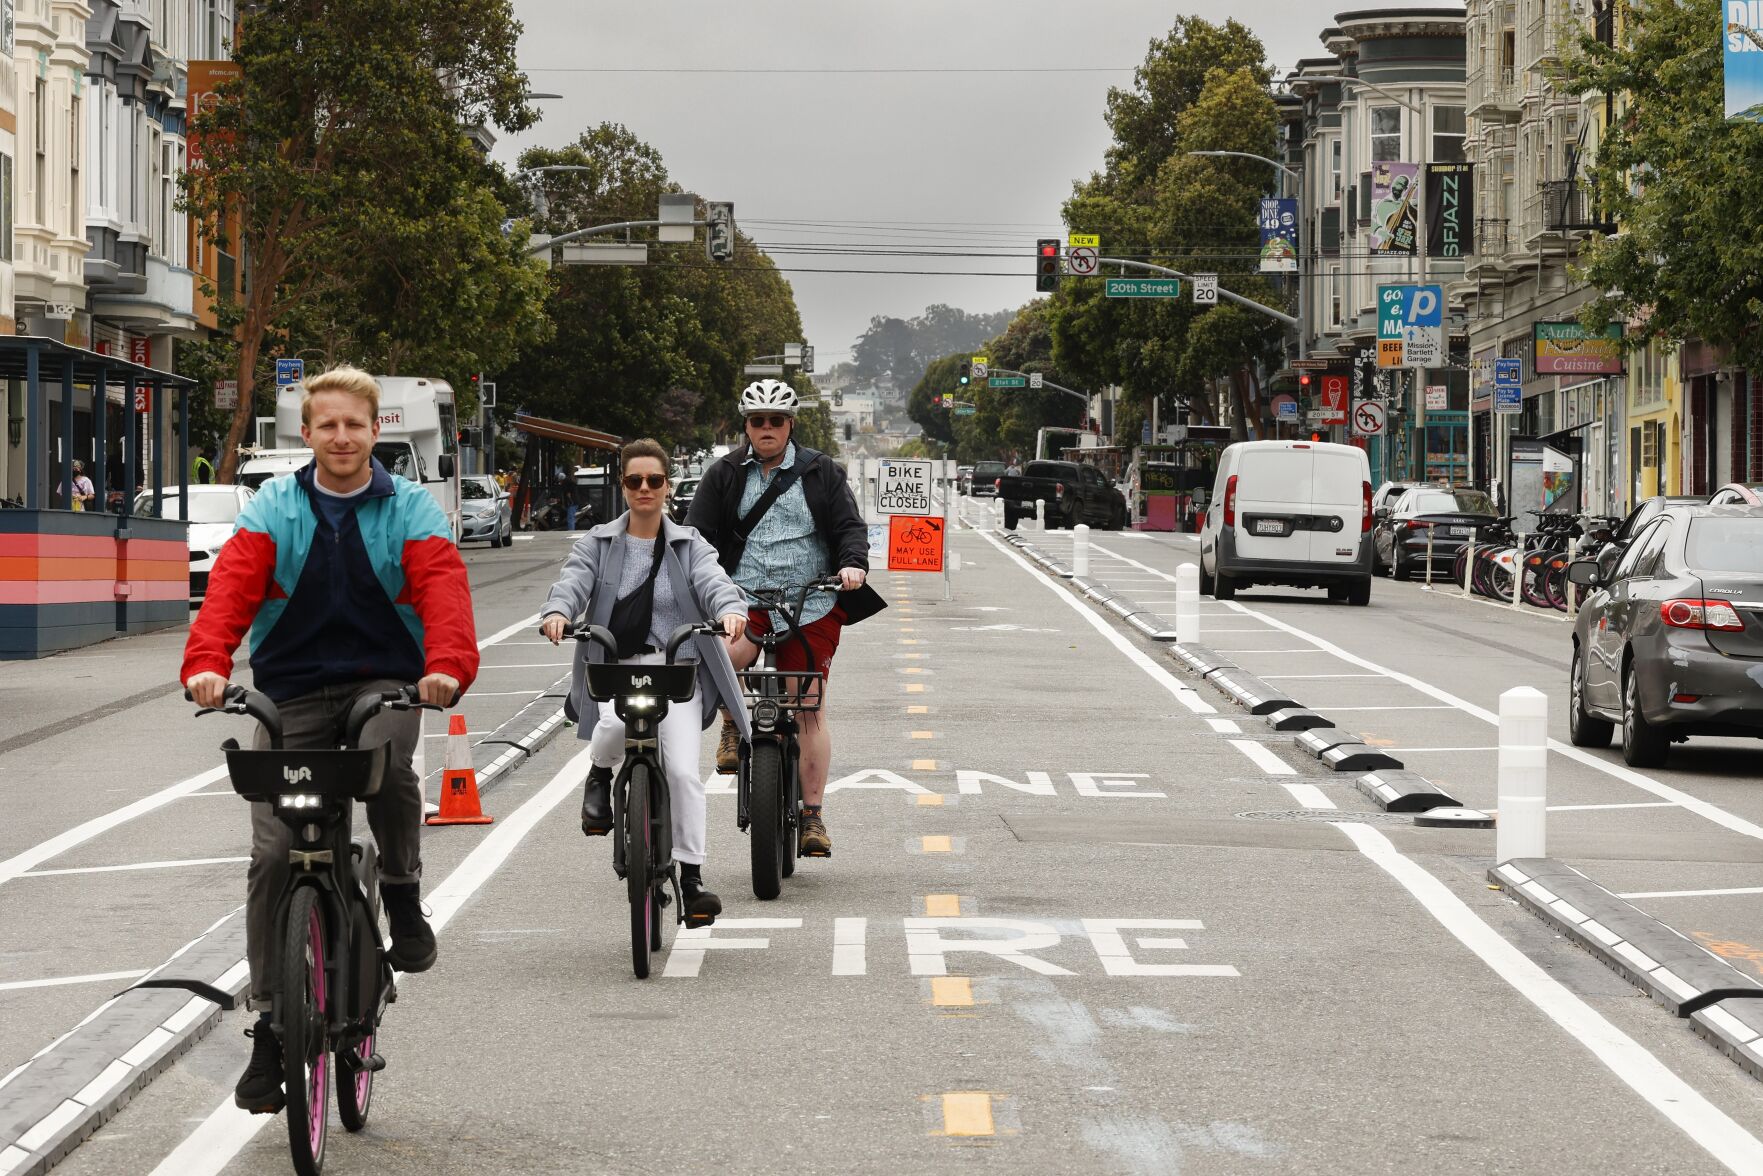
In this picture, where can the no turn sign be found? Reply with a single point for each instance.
(1082, 262)
(1368, 418)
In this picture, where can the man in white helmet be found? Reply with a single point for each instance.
(810, 530)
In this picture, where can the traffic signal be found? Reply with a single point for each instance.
(1046, 265)
(1315, 436)
(966, 376)
(1304, 382)
(719, 230)
(936, 401)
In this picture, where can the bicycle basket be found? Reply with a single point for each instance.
(790, 689)
(609, 680)
(355, 773)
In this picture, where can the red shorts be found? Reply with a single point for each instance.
(823, 639)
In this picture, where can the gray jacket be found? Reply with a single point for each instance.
(588, 588)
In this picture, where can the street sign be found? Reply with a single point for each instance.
(1368, 418)
(1085, 240)
(1034, 380)
(966, 409)
(289, 371)
(1438, 398)
(603, 253)
(1311, 365)
(1143, 288)
(1410, 326)
(904, 487)
(1334, 400)
(1286, 410)
(487, 394)
(1205, 289)
(678, 211)
(915, 544)
(1508, 386)
(979, 367)
(792, 354)
(774, 370)
(1315, 419)
(1007, 382)
(1081, 261)
(226, 395)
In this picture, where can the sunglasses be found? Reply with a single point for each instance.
(770, 422)
(638, 481)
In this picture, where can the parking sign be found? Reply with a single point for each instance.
(1410, 326)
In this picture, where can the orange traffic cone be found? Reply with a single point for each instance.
(459, 802)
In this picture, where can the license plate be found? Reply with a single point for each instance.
(1269, 527)
(1460, 532)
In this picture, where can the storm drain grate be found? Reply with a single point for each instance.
(1329, 815)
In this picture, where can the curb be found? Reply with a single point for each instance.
(84, 1077)
(1296, 718)
(1402, 791)
(1254, 695)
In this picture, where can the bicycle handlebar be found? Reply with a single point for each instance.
(597, 634)
(239, 701)
(686, 631)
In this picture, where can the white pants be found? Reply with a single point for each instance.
(682, 744)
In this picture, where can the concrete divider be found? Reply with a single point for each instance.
(1256, 696)
(1402, 791)
(1200, 659)
(1356, 757)
(1296, 719)
(1317, 740)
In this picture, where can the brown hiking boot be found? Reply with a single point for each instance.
(815, 840)
(728, 748)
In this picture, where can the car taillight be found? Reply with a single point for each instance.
(1365, 520)
(1059, 487)
(997, 482)
(1701, 614)
(1416, 524)
(1230, 502)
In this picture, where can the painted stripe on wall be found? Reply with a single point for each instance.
(91, 591)
(16, 568)
(76, 546)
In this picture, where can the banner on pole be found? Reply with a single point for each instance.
(1450, 201)
(1279, 236)
(1744, 59)
(1394, 190)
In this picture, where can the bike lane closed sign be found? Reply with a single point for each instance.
(903, 487)
(915, 544)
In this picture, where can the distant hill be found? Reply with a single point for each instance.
(899, 350)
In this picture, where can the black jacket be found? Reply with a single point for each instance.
(716, 509)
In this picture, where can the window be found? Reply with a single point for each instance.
(1386, 133)
(74, 212)
(41, 142)
(1334, 296)
(6, 208)
(1447, 134)
(1632, 556)
(1652, 550)
(1334, 168)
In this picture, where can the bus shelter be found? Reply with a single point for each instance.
(543, 479)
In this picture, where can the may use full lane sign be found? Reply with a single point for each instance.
(904, 487)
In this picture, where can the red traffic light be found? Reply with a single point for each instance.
(1315, 436)
(1304, 380)
(1049, 249)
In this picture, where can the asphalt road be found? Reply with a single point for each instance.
(1082, 915)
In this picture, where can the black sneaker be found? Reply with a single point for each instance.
(260, 1087)
(702, 906)
(597, 803)
(413, 942)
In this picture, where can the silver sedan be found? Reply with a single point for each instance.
(484, 512)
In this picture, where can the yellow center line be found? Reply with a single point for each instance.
(923, 735)
(918, 710)
(968, 1113)
(924, 765)
(912, 669)
(915, 687)
(951, 992)
(937, 843)
(908, 641)
(929, 800)
(942, 906)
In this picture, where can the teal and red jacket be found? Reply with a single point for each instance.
(383, 596)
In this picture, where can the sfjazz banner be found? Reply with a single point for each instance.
(1743, 28)
(1450, 198)
(1279, 236)
(1569, 349)
(1394, 193)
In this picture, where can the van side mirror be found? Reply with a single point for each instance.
(1585, 573)
(445, 465)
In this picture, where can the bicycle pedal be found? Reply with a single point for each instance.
(818, 853)
(375, 1063)
(271, 1106)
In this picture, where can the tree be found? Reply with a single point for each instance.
(346, 124)
(901, 349)
(1678, 178)
(1007, 420)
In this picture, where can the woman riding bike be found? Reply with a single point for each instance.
(641, 576)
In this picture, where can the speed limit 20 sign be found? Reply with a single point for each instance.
(1368, 418)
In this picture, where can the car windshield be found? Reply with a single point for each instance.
(204, 508)
(1448, 502)
(989, 467)
(1049, 469)
(475, 488)
(1725, 545)
(398, 458)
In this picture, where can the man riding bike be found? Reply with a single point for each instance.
(349, 581)
(781, 515)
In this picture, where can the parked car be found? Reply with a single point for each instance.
(682, 497)
(983, 482)
(1644, 512)
(1294, 513)
(1670, 644)
(214, 516)
(1450, 516)
(1384, 497)
(484, 511)
(1737, 494)
(259, 466)
(1074, 493)
(963, 479)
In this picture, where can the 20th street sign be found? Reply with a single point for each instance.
(1143, 288)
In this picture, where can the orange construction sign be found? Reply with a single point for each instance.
(915, 543)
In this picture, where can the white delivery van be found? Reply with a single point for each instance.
(1290, 513)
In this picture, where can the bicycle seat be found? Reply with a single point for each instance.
(330, 773)
(609, 680)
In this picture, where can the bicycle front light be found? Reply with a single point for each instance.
(641, 702)
(766, 714)
(299, 800)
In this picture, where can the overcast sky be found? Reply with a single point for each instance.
(927, 161)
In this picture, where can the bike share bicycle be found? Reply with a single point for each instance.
(334, 980)
(768, 804)
(642, 806)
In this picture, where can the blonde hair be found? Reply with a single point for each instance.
(351, 380)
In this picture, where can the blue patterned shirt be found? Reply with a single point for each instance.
(784, 549)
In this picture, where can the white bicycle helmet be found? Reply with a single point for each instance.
(769, 396)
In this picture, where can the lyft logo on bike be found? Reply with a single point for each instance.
(295, 776)
(639, 683)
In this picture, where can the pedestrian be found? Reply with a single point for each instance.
(566, 494)
(84, 493)
(349, 583)
(202, 466)
(642, 575)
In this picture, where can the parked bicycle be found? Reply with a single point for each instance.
(642, 807)
(768, 804)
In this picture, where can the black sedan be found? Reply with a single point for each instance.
(1670, 644)
(1449, 516)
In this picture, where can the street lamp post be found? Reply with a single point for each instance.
(1303, 279)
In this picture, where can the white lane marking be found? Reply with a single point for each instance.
(1692, 893)
(1262, 758)
(1326, 709)
(58, 981)
(1705, 1124)
(850, 937)
(1586, 808)
(1270, 651)
(41, 852)
(1308, 795)
(166, 865)
(563, 665)
(1282, 677)
(1620, 771)
(505, 693)
(1161, 575)
(1225, 726)
(500, 635)
(1184, 694)
(1393, 750)
(227, 1129)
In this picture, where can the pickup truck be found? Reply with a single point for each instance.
(1073, 493)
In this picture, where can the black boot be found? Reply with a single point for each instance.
(260, 1087)
(597, 803)
(702, 906)
(413, 942)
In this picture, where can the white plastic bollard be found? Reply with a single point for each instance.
(1523, 775)
(1187, 604)
(1040, 514)
(1080, 550)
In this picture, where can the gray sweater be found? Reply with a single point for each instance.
(639, 557)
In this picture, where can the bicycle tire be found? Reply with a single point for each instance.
(636, 865)
(765, 835)
(1535, 592)
(301, 1010)
(351, 1067)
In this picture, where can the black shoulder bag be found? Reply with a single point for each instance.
(744, 526)
(634, 615)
